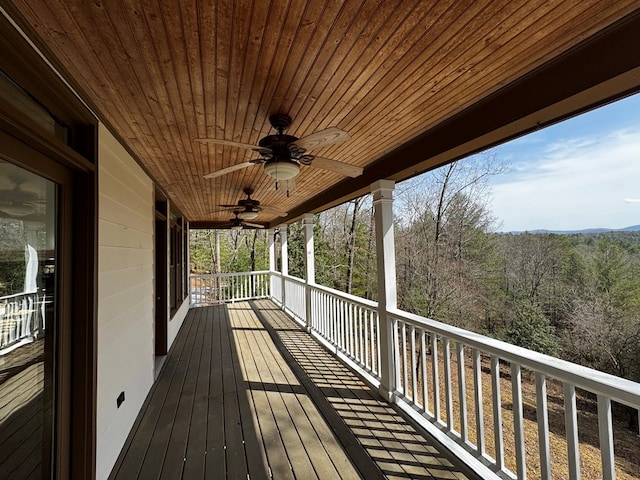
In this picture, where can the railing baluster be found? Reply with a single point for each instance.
(376, 324)
(423, 364)
(403, 352)
(436, 377)
(605, 433)
(352, 341)
(542, 413)
(340, 322)
(359, 335)
(368, 337)
(332, 318)
(414, 372)
(497, 411)
(477, 389)
(518, 421)
(462, 393)
(571, 426)
(446, 354)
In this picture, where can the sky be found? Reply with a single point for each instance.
(581, 173)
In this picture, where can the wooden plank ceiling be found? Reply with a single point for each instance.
(161, 74)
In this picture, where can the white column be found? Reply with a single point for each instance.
(272, 249)
(271, 242)
(387, 299)
(310, 266)
(284, 261)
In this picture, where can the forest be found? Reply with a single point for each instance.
(574, 296)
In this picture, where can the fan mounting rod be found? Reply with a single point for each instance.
(280, 121)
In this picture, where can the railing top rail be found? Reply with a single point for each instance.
(622, 390)
(16, 295)
(294, 279)
(352, 298)
(229, 274)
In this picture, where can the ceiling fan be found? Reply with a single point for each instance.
(249, 208)
(283, 154)
(18, 202)
(237, 223)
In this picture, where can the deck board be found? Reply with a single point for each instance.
(246, 393)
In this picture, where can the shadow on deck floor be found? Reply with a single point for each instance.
(245, 393)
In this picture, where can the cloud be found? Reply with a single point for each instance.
(573, 184)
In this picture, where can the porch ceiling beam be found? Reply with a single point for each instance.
(600, 70)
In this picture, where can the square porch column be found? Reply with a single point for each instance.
(284, 261)
(272, 249)
(310, 266)
(387, 297)
(271, 242)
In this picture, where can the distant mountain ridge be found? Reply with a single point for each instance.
(632, 228)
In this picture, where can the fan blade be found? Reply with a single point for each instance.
(274, 210)
(323, 138)
(232, 168)
(336, 166)
(254, 225)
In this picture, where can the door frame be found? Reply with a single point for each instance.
(74, 370)
(160, 266)
(71, 163)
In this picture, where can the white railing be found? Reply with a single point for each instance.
(433, 361)
(229, 287)
(350, 325)
(276, 288)
(295, 302)
(476, 394)
(22, 319)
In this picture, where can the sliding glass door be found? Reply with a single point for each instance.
(29, 322)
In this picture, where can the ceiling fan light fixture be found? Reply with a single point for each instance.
(282, 169)
(247, 215)
(236, 227)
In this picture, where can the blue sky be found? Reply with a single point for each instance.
(581, 173)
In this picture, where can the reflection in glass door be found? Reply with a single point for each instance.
(28, 224)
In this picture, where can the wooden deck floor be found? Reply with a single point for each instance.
(245, 393)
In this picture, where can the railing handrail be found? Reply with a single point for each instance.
(229, 274)
(595, 381)
(16, 295)
(298, 280)
(347, 296)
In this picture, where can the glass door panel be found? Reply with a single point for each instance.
(28, 323)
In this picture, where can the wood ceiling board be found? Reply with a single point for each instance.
(430, 109)
(574, 85)
(386, 72)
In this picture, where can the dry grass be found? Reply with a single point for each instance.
(627, 443)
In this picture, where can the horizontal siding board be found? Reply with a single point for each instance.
(112, 286)
(114, 211)
(120, 184)
(128, 236)
(125, 259)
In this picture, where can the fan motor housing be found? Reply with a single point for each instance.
(277, 141)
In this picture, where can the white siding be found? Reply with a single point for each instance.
(125, 296)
